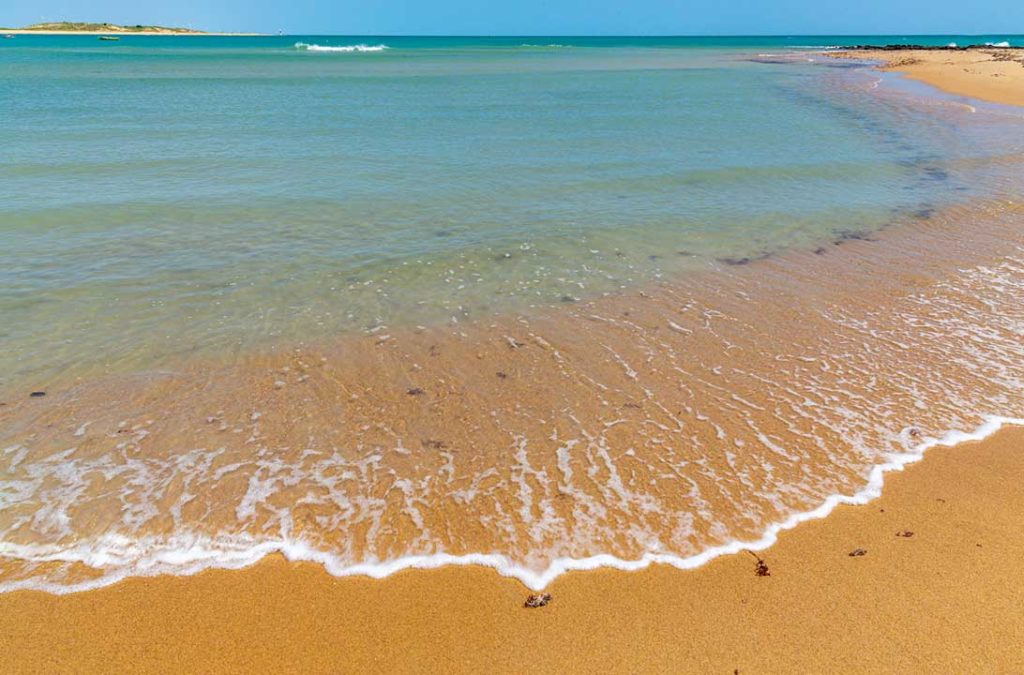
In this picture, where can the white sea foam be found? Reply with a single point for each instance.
(184, 554)
(1004, 44)
(342, 48)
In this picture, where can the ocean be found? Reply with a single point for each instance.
(534, 303)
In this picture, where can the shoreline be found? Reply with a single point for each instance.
(943, 596)
(989, 74)
(298, 552)
(73, 409)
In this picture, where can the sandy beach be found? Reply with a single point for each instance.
(922, 579)
(995, 75)
(943, 597)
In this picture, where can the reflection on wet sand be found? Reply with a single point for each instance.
(669, 420)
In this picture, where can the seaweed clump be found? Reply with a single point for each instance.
(537, 600)
(760, 567)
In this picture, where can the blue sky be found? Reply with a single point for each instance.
(543, 17)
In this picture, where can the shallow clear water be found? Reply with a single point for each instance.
(167, 195)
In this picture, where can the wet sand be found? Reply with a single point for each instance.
(995, 75)
(947, 599)
(672, 419)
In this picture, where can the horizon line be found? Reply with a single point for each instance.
(652, 35)
(257, 33)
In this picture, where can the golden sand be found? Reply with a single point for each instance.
(995, 75)
(947, 599)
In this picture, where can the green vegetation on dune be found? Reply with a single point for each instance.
(82, 27)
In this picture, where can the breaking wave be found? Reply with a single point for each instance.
(342, 48)
(185, 554)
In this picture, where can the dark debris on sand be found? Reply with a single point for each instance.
(926, 48)
(760, 567)
(857, 552)
(537, 600)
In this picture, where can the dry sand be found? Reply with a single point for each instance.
(995, 75)
(947, 599)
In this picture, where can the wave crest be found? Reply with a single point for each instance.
(342, 48)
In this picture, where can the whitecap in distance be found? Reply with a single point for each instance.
(342, 48)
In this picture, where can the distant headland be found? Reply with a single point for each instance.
(77, 27)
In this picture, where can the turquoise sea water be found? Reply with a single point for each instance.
(173, 195)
